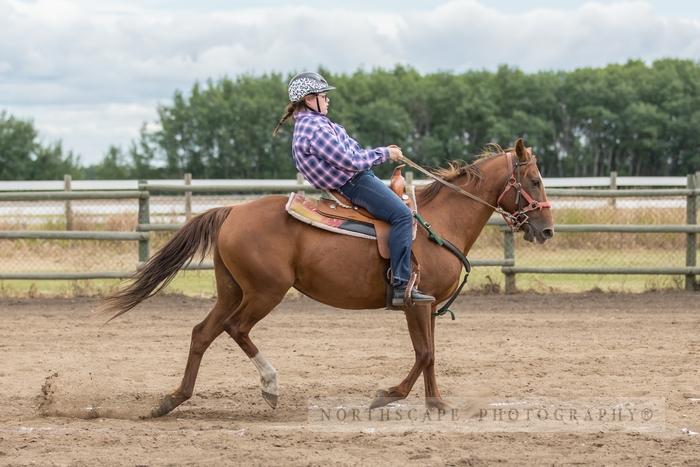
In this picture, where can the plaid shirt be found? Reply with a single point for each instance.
(326, 155)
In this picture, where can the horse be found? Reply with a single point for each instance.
(260, 252)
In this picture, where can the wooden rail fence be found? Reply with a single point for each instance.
(507, 263)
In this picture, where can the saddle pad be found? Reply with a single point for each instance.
(307, 210)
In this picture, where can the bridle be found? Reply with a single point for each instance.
(515, 220)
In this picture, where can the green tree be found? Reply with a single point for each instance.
(635, 118)
(23, 157)
(17, 145)
(49, 162)
(222, 131)
(113, 166)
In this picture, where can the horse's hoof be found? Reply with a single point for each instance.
(166, 406)
(437, 403)
(271, 399)
(382, 398)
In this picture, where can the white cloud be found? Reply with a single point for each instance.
(80, 67)
(88, 129)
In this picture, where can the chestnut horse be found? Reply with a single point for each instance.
(260, 252)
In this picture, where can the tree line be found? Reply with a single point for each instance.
(633, 118)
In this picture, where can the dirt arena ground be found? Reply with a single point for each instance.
(102, 378)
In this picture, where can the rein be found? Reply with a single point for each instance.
(514, 220)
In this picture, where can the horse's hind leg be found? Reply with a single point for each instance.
(255, 307)
(419, 327)
(203, 334)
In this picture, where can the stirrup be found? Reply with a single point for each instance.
(405, 296)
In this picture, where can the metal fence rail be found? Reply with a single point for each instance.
(691, 229)
(141, 237)
(507, 262)
(72, 235)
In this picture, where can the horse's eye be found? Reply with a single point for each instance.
(536, 182)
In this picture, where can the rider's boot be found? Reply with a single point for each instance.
(399, 295)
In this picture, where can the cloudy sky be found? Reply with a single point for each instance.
(91, 72)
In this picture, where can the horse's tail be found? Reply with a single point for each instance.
(198, 234)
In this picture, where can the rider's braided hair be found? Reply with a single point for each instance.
(288, 113)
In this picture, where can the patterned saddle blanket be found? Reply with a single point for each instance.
(334, 213)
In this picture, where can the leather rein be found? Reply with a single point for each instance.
(514, 220)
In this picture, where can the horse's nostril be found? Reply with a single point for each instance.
(548, 233)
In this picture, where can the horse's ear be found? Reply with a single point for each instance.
(521, 151)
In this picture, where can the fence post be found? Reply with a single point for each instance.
(300, 182)
(144, 219)
(68, 209)
(509, 254)
(613, 186)
(409, 178)
(188, 197)
(691, 238)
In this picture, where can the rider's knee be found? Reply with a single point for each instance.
(403, 216)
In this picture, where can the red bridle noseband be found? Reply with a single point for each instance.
(518, 218)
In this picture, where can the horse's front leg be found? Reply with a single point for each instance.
(432, 393)
(419, 327)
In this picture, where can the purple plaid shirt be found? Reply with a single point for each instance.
(326, 155)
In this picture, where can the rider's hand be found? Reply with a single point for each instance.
(395, 153)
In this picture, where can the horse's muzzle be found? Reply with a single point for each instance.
(531, 234)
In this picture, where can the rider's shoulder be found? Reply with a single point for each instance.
(310, 118)
(317, 121)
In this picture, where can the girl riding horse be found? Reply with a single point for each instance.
(330, 159)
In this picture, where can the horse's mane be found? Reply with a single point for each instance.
(454, 170)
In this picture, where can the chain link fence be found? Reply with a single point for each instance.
(598, 249)
(566, 249)
(65, 255)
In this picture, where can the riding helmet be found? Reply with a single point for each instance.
(307, 83)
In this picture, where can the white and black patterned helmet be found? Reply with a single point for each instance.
(307, 83)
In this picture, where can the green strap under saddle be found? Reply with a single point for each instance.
(435, 237)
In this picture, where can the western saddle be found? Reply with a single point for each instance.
(334, 212)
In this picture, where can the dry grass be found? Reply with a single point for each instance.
(609, 215)
(68, 255)
(54, 255)
(567, 249)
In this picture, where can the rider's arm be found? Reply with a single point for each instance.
(328, 146)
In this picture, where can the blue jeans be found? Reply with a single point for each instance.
(367, 191)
